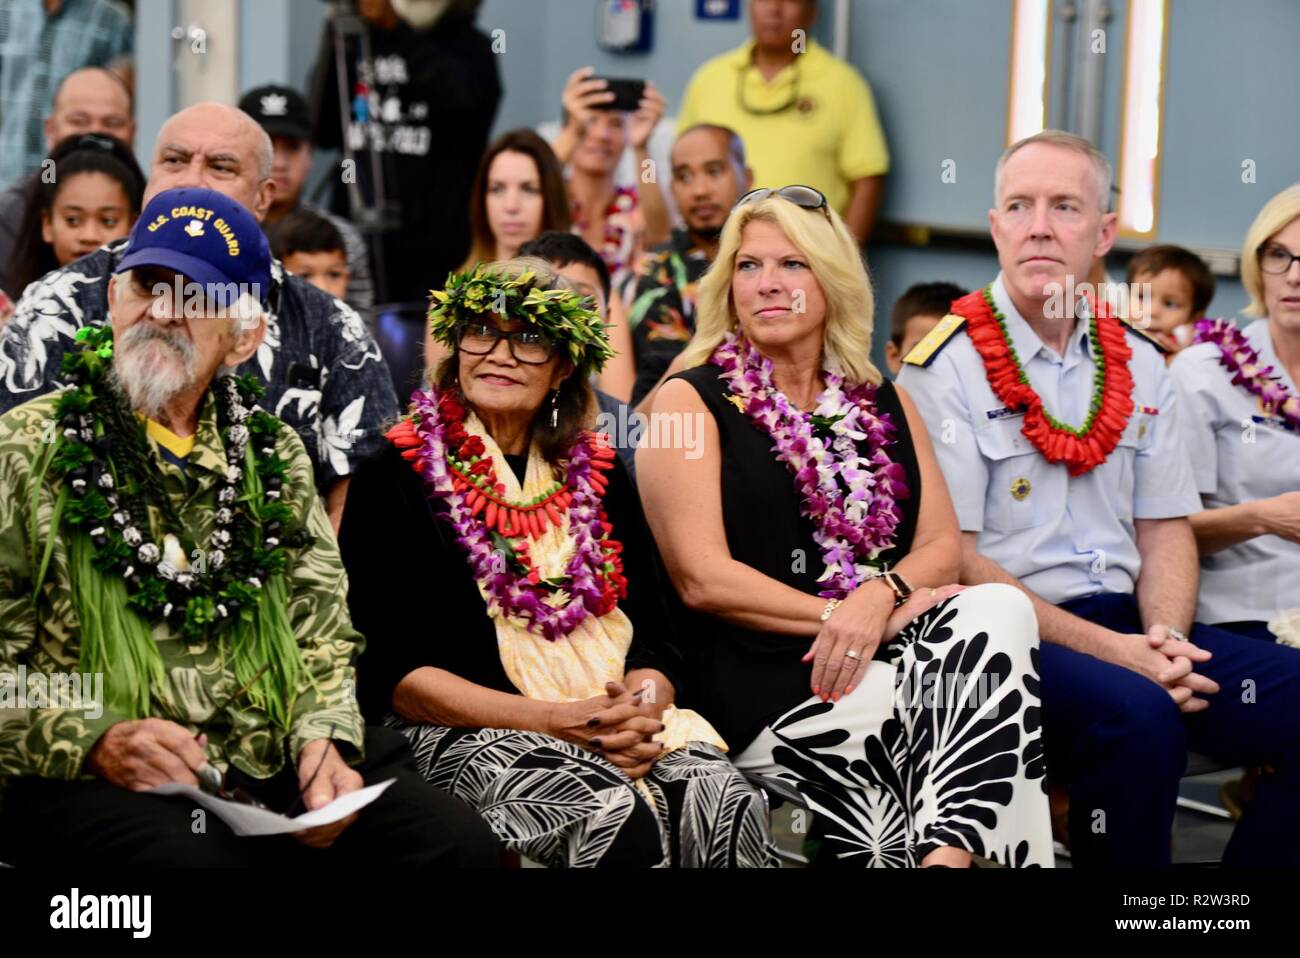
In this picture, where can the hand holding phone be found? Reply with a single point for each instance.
(627, 94)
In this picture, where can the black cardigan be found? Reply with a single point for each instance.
(413, 597)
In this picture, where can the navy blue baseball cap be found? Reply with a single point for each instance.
(208, 238)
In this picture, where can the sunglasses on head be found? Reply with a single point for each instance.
(805, 197)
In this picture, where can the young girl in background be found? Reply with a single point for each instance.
(91, 196)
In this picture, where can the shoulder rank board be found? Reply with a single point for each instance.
(923, 353)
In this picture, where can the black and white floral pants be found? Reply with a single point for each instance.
(940, 744)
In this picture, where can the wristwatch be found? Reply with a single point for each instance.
(902, 591)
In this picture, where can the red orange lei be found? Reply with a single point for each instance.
(1080, 448)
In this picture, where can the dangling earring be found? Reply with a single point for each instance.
(555, 412)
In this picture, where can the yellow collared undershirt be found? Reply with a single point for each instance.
(168, 440)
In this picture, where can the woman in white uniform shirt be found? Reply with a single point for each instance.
(1244, 438)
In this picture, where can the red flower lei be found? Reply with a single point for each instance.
(1080, 448)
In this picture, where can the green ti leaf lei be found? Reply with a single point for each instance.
(102, 458)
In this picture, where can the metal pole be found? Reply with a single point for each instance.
(377, 218)
(1089, 89)
(843, 12)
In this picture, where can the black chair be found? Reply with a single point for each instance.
(1198, 764)
(779, 792)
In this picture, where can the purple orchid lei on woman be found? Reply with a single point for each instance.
(852, 500)
(514, 595)
(1241, 360)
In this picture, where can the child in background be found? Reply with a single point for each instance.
(91, 196)
(916, 313)
(1181, 287)
(309, 246)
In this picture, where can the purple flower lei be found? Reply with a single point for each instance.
(1240, 359)
(511, 594)
(852, 500)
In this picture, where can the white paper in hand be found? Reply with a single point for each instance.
(249, 820)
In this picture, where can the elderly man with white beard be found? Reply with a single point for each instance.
(159, 528)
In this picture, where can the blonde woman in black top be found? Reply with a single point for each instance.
(814, 543)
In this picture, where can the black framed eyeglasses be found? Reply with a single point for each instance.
(804, 197)
(528, 346)
(1276, 259)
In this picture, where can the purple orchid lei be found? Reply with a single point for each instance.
(852, 500)
(511, 594)
(1241, 360)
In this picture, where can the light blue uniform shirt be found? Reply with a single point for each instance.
(1239, 454)
(1062, 537)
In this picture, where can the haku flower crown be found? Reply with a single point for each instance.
(562, 314)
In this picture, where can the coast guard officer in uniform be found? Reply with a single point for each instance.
(1056, 430)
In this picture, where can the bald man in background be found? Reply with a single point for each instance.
(90, 100)
(44, 41)
(323, 373)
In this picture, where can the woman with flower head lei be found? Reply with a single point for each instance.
(1241, 425)
(814, 541)
(501, 568)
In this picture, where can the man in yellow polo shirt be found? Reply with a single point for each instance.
(806, 116)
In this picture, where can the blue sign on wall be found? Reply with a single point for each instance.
(717, 9)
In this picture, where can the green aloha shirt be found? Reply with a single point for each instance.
(41, 633)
